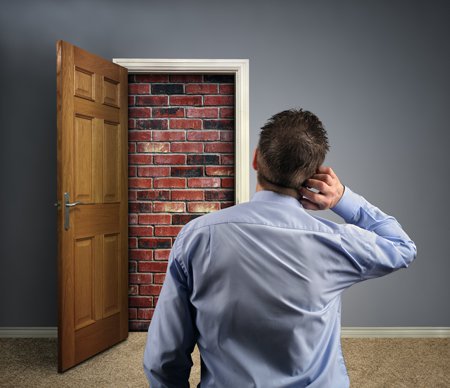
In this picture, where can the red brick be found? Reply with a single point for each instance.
(140, 159)
(138, 88)
(132, 195)
(202, 112)
(186, 147)
(169, 182)
(170, 207)
(183, 219)
(139, 207)
(185, 78)
(189, 195)
(152, 124)
(219, 170)
(217, 195)
(203, 207)
(185, 100)
(218, 124)
(132, 313)
(216, 100)
(140, 278)
(226, 88)
(168, 112)
(140, 183)
(150, 289)
(140, 301)
(140, 254)
(201, 89)
(151, 77)
(226, 159)
(169, 159)
(152, 100)
(141, 325)
(132, 242)
(140, 231)
(159, 278)
(139, 135)
(167, 230)
(219, 147)
(147, 195)
(154, 219)
(132, 219)
(168, 135)
(152, 266)
(167, 88)
(133, 289)
(154, 242)
(132, 267)
(203, 182)
(145, 313)
(162, 254)
(153, 171)
(131, 124)
(226, 135)
(153, 147)
(139, 112)
(131, 148)
(203, 159)
(203, 135)
(186, 171)
(132, 171)
(226, 112)
(227, 182)
(185, 124)
(130, 100)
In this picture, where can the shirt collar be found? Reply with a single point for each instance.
(272, 196)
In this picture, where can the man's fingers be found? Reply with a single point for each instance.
(317, 184)
(323, 177)
(313, 197)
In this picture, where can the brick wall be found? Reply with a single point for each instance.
(181, 165)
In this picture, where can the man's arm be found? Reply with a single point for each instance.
(374, 242)
(172, 334)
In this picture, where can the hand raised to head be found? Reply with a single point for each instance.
(330, 190)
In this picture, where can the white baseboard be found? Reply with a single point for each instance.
(395, 332)
(346, 332)
(28, 332)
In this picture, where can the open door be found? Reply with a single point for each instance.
(92, 200)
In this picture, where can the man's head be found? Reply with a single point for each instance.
(292, 145)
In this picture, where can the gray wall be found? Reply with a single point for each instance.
(376, 74)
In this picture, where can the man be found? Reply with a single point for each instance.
(258, 285)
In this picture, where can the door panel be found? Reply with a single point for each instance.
(92, 167)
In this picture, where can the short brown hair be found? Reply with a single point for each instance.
(292, 145)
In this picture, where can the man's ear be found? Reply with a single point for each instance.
(255, 155)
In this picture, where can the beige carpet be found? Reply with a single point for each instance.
(380, 362)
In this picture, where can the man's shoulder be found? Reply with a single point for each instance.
(262, 213)
(234, 213)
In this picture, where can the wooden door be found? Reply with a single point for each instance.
(92, 186)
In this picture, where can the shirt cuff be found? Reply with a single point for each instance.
(348, 205)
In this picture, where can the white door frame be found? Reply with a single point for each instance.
(238, 67)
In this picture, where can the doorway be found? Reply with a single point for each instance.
(188, 129)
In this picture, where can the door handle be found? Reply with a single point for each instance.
(68, 205)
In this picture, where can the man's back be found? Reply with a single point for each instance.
(258, 287)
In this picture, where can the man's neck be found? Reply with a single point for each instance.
(278, 189)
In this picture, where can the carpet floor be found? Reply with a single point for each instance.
(378, 362)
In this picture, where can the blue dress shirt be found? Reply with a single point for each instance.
(257, 286)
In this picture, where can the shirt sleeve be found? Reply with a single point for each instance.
(373, 242)
(171, 335)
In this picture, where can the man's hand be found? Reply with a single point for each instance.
(329, 186)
